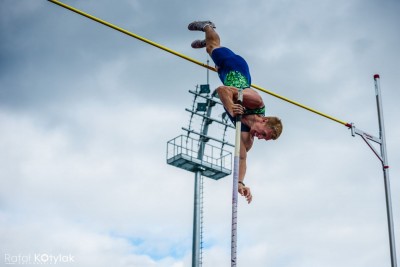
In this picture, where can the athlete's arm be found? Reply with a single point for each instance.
(228, 96)
(244, 148)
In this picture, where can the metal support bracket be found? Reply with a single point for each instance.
(367, 138)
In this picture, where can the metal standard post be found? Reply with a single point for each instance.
(236, 164)
(385, 172)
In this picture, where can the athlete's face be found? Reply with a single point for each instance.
(261, 132)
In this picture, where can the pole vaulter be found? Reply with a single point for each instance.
(382, 155)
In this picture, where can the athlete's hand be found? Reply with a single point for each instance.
(245, 191)
(237, 109)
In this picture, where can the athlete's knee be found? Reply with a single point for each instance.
(210, 47)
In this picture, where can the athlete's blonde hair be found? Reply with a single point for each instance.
(275, 124)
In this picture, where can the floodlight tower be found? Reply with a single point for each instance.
(197, 155)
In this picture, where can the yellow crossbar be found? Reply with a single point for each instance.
(190, 59)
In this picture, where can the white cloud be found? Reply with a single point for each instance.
(85, 114)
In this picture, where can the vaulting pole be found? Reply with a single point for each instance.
(235, 187)
(193, 60)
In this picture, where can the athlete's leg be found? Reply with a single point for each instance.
(212, 39)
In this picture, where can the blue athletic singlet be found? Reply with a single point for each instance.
(232, 69)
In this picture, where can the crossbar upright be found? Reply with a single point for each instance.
(385, 168)
(382, 156)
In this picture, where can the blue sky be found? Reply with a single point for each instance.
(86, 112)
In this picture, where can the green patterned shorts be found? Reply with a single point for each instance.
(236, 79)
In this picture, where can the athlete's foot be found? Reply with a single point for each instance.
(200, 25)
(199, 44)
